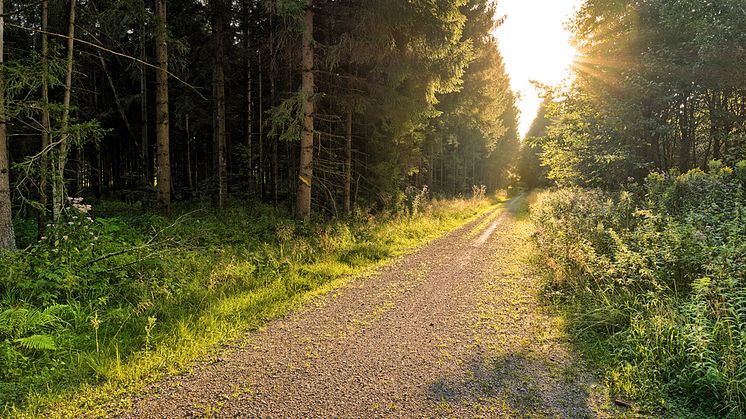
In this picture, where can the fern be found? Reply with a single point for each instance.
(37, 343)
(15, 323)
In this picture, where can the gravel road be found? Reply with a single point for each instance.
(453, 330)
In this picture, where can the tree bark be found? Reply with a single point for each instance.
(7, 238)
(161, 109)
(58, 181)
(273, 99)
(305, 164)
(190, 182)
(248, 122)
(219, 127)
(260, 164)
(145, 163)
(348, 163)
(45, 120)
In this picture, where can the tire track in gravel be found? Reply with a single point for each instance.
(454, 329)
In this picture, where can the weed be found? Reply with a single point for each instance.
(652, 282)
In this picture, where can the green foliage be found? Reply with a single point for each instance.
(654, 276)
(653, 89)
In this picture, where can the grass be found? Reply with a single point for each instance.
(221, 276)
(650, 282)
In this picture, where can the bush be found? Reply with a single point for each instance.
(657, 274)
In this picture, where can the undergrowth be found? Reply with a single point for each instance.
(653, 281)
(109, 301)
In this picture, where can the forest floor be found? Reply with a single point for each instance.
(455, 329)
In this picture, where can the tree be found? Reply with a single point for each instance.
(46, 125)
(659, 86)
(218, 10)
(7, 238)
(59, 194)
(161, 108)
(305, 163)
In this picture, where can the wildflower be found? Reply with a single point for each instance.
(64, 237)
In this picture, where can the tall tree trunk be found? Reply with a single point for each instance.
(273, 97)
(260, 172)
(348, 163)
(431, 171)
(161, 111)
(45, 122)
(248, 122)
(219, 126)
(305, 164)
(190, 182)
(146, 171)
(58, 180)
(7, 238)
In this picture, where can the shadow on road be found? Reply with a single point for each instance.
(518, 382)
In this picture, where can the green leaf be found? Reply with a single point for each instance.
(37, 342)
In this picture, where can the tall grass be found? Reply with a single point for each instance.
(653, 279)
(108, 304)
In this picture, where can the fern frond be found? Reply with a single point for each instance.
(37, 342)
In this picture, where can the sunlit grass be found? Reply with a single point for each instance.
(234, 283)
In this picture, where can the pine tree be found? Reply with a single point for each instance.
(7, 238)
(161, 109)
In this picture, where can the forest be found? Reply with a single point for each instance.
(176, 172)
(158, 163)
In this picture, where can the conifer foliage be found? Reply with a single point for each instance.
(318, 106)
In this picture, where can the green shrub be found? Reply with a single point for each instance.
(657, 276)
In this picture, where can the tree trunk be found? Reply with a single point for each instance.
(348, 163)
(7, 238)
(260, 164)
(45, 122)
(248, 122)
(147, 178)
(273, 99)
(305, 164)
(431, 171)
(190, 182)
(58, 181)
(161, 111)
(219, 127)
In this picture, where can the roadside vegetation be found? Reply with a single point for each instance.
(110, 300)
(652, 280)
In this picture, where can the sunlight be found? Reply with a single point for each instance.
(535, 46)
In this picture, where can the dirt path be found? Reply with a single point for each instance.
(454, 329)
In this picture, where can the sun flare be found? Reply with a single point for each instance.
(536, 47)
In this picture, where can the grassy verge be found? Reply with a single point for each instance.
(651, 281)
(121, 301)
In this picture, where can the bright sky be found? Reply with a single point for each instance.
(535, 46)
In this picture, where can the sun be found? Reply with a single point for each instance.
(535, 45)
